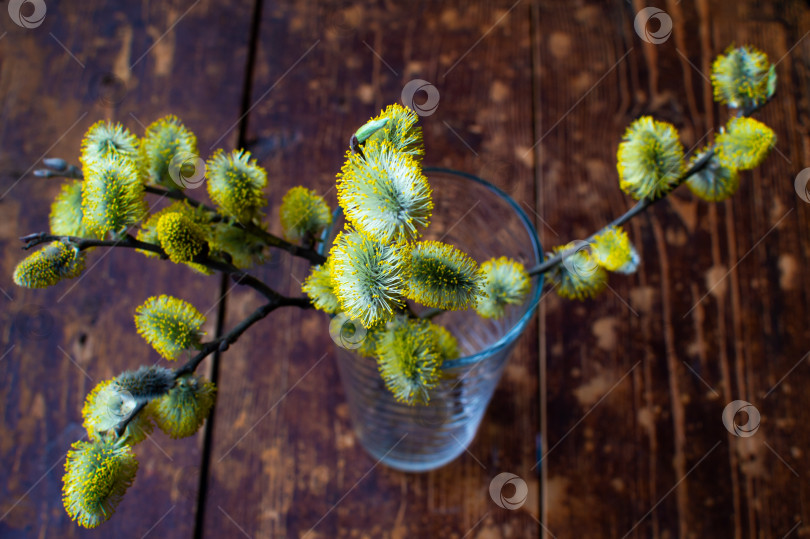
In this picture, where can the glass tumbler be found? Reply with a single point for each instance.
(483, 221)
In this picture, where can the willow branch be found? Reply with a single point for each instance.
(127, 241)
(177, 195)
(274, 241)
(639, 207)
(221, 344)
(240, 276)
(431, 313)
(644, 203)
(268, 238)
(71, 171)
(122, 425)
(224, 342)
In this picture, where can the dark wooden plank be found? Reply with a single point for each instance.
(131, 64)
(285, 460)
(637, 380)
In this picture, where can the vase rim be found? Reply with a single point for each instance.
(513, 332)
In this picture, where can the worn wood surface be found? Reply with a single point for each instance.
(637, 381)
(620, 397)
(58, 343)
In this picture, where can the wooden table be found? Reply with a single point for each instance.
(620, 397)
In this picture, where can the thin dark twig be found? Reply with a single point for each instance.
(356, 146)
(251, 228)
(177, 195)
(639, 207)
(128, 241)
(272, 240)
(276, 300)
(430, 313)
(222, 344)
(644, 203)
(122, 425)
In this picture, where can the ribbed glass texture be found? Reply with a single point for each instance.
(484, 222)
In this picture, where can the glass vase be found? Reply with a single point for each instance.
(484, 222)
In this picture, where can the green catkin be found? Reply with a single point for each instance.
(611, 248)
(442, 276)
(235, 184)
(409, 359)
(304, 214)
(744, 144)
(112, 196)
(650, 159)
(170, 325)
(579, 276)
(97, 475)
(49, 265)
(164, 140)
(105, 140)
(180, 412)
(743, 77)
(505, 283)
(318, 287)
(384, 194)
(368, 277)
(714, 182)
(106, 406)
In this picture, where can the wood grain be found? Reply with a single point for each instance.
(131, 64)
(637, 380)
(626, 391)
